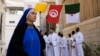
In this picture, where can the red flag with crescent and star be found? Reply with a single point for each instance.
(54, 13)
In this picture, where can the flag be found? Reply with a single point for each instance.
(41, 7)
(72, 12)
(54, 13)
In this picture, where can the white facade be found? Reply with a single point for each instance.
(2, 17)
(11, 19)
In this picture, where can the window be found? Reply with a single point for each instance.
(11, 21)
(12, 11)
(19, 12)
(16, 11)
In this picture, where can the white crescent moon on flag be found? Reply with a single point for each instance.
(53, 13)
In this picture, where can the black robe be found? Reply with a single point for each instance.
(15, 47)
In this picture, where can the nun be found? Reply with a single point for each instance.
(26, 39)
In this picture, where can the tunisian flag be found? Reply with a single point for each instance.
(54, 13)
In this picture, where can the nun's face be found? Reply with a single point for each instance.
(32, 16)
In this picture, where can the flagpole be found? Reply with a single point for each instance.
(57, 2)
(40, 19)
(40, 7)
(58, 26)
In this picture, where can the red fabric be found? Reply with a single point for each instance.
(54, 13)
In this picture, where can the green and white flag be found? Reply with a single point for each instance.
(72, 13)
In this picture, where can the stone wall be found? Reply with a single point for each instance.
(91, 32)
(90, 29)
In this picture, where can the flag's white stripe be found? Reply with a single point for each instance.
(73, 19)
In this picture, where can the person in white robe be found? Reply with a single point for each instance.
(73, 46)
(47, 44)
(50, 46)
(69, 42)
(79, 42)
(54, 42)
(63, 45)
(60, 43)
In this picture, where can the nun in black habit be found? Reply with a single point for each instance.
(26, 39)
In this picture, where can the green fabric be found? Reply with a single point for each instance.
(72, 8)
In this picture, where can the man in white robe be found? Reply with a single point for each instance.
(54, 41)
(47, 44)
(79, 42)
(73, 45)
(63, 46)
(50, 46)
(69, 42)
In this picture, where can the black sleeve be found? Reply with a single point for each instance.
(43, 45)
(16, 44)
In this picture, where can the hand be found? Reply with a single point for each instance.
(44, 50)
(63, 47)
(50, 43)
(72, 46)
(74, 40)
(48, 47)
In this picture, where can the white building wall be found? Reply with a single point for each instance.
(9, 27)
(2, 17)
